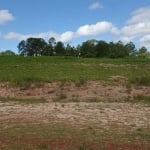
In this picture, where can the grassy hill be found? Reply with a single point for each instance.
(110, 111)
(20, 70)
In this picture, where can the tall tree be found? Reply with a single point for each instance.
(59, 48)
(32, 47)
(22, 48)
(70, 51)
(88, 48)
(102, 49)
(143, 51)
(131, 49)
(51, 46)
(117, 50)
(52, 41)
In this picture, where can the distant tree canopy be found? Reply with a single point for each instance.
(89, 48)
(7, 53)
(32, 47)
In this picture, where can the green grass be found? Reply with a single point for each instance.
(22, 101)
(20, 70)
(37, 70)
(142, 99)
(46, 136)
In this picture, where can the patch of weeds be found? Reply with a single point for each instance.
(62, 84)
(139, 129)
(60, 97)
(142, 98)
(129, 88)
(51, 91)
(95, 92)
(92, 99)
(28, 85)
(80, 82)
(22, 101)
(141, 80)
(62, 105)
(83, 147)
(42, 147)
(118, 79)
(75, 98)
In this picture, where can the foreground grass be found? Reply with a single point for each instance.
(65, 137)
(22, 101)
(20, 70)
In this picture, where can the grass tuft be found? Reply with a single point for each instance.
(22, 101)
(142, 99)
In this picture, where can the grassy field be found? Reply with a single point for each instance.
(68, 103)
(20, 70)
(63, 137)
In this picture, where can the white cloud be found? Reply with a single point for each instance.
(5, 16)
(126, 39)
(140, 15)
(18, 36)
(145, 41)
(66, 37)
(138, 27)
(115, 30)
(83, 31)
(94, 29)
(95, 6)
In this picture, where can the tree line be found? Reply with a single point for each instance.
(90, 48)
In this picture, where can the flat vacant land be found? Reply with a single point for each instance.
(63, 103)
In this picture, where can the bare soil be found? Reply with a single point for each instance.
(79, 105)
(74, 91)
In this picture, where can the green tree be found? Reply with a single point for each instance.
(70, 51)
(88, 48)
(32, 47)
(51, 46)
(117, 50)
(143, 52)
(102, 49)
(22, 48)
(52, 41)
(130, 47)
(7, 53)
(59, 49)
(47, 51)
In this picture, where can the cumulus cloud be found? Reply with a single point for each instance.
(138, 27)
(5, 16)
(66, 37)
(140, 15)
(95, 6)
(145, 40)
(94, 29)
(18, 36)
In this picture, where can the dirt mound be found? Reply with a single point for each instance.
(89, 91)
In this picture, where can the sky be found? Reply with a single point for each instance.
(74, 21)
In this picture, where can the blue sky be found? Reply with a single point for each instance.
(74, 21)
